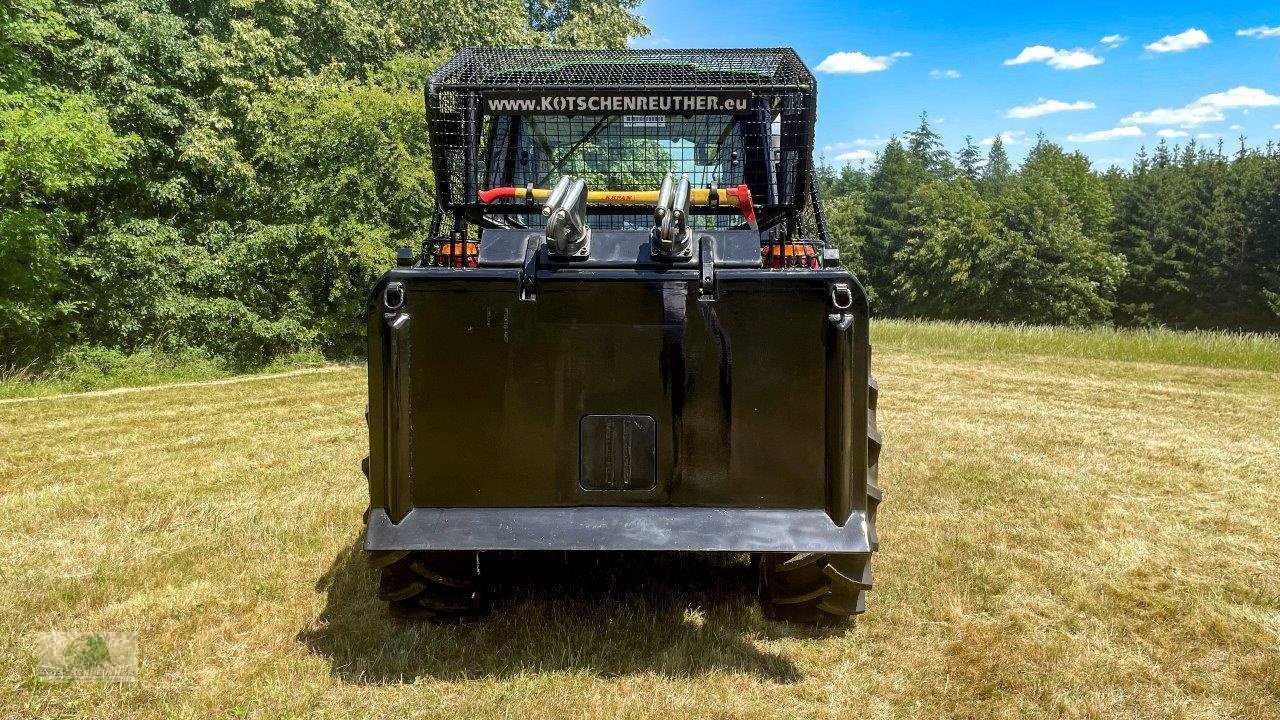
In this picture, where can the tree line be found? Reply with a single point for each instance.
(1188, 237)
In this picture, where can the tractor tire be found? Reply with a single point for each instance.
(825, 588)
(438, 586)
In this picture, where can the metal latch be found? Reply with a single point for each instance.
(566, 213)
(707, 268)
(527, 279)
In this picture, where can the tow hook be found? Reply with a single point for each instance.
(841, 296)
(393, 296)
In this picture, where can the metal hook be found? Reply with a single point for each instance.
(841, 296)
(396, 290)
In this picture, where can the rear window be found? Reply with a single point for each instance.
(628, 152)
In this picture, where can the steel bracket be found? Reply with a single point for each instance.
(566, 211)
(707, 268)
(672, 237)
(527, 278)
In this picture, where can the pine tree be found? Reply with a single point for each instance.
(969, 160)
(1139, 236)
(1263, 255)
(894, 179)
(997, 171)
(926, 147)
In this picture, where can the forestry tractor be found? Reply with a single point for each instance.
(625, 332)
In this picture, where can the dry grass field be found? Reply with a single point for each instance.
(1075, 525)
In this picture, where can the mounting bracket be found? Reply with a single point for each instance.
(672, 237)
(566, 211)
(707, 268)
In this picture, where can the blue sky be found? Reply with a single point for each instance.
(1173, 70)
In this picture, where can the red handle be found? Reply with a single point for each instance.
(498, 193)
(748, 209)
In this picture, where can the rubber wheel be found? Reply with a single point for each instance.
(438, 586)
(826, 588)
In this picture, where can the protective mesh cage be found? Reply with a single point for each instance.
(622, 120)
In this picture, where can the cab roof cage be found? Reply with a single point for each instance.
(766, 69)
(477, 144)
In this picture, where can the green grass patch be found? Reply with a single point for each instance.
(83, 369)
(1199, 348)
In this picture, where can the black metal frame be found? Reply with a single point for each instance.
(473, 148)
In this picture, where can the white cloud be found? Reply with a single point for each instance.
(856, 155)
(944, 74)
(1237, 128)
(1207, 109)
(1239, 97)
(1008, 137)
(1262, 31)
(1114, 41)
(1185, 40)
(1276, 126)
(1167, 133)
(1047, 107)
(857, 62)
(1189, 116)
(873, 142)
(1100, 135)
(1056, 59)
(1206, 136)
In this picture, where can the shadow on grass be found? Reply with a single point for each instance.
(606, 614)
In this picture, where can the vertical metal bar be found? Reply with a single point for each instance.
(819, 216)
(396, 405)
(840, 417)
(471, 129)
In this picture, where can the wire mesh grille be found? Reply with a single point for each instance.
(627, 153)
(775, 68)
(765, 143)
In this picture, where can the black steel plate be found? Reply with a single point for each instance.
(617, 452)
